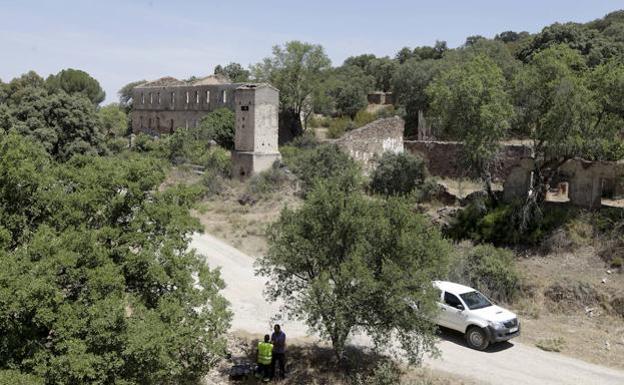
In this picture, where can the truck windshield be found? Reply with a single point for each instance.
(475, 300)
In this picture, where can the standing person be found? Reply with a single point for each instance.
(278, 338)
(265, 358)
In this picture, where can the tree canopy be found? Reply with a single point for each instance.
(344, 263)
(296, 69)
(98, 284)
(469, 102)
(233, 71)
(75, 81)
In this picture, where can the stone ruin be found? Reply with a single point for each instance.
(580, 182)
(167, 104)
(366, 143)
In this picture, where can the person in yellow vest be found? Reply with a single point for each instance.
(265, 357)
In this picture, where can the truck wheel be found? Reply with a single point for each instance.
(476, 338)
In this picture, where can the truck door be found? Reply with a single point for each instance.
(451, 316)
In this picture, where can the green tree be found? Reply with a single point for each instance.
(296, 69)
(471, 40)
(382, 69)
(595, 47)
(76, 81)
(325, 162)
(113, 120)
(410, 81)
(98, 283)
(469, 102)
(555, 109)
(64, 124)
(217, 125)
(348, 87)
(125, 95)
(344, 263)
(398, 174)
(233, 71)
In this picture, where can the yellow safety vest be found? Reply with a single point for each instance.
(265, 352)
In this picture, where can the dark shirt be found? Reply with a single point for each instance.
(279, 342)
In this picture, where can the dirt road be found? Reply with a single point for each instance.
(509, 364)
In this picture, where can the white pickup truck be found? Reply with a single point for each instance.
(466, 310)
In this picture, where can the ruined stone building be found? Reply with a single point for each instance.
(166, 104)
(163, 105)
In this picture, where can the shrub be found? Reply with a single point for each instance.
(268, 181)
(339, 126)
(213, 183)
(398, 174)
(218, 160)
(551, 344)
(481, 221)
(157, 146)
(117, 144)
(386, 112)
(325, 162)
(569, 295)
(363, 117)
(386, 373)
(305, 140)
(490, 270)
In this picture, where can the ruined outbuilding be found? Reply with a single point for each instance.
(372, 140)
(580, 182)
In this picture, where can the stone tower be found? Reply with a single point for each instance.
(256, 130)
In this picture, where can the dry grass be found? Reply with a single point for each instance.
(582, 315)
(243, 226)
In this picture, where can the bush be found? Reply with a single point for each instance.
(490, 270)
(339, 126)
(398, 174)
(15, 377)
(551, 344)
(324, 162)
(268, 181)
(386, 112)
(213, 183)
(117, 144)
(148, 144)
(481, 221)
(386, 373)
(218, 161)
(305, 140)
(363, 117)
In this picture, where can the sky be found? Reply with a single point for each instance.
(118, 42)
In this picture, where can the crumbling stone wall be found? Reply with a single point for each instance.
(444, 159)
(373, 139)
(586, 180)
